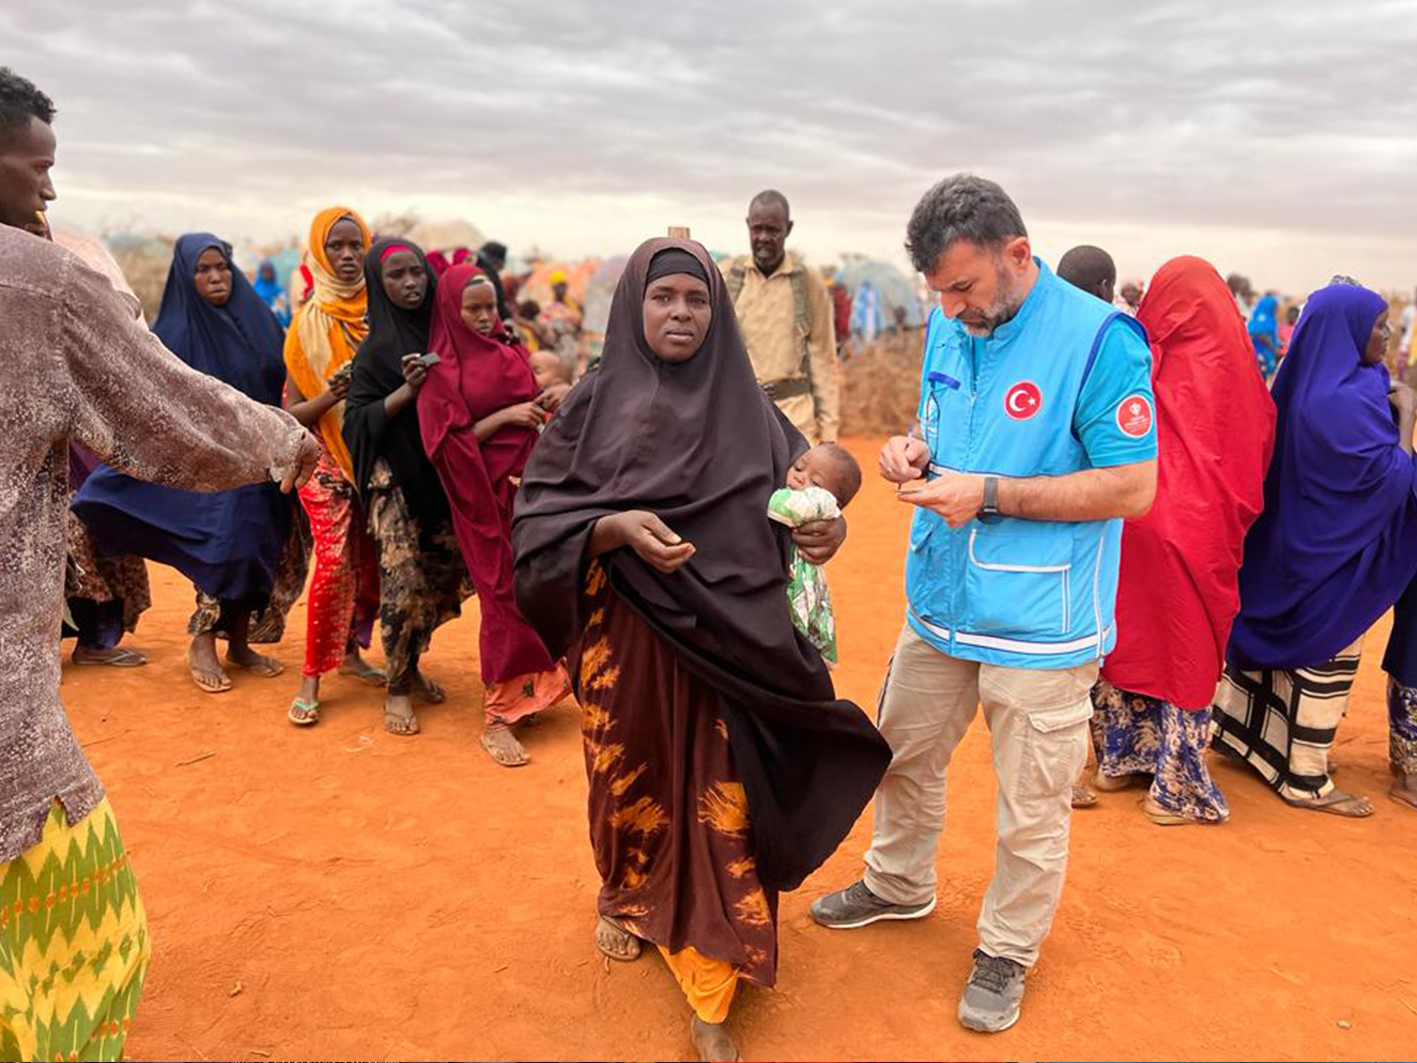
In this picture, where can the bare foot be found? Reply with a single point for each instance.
(206, 669)
(503, 746)
(712, 1041)
(398, 715)
(255, 663)
(1404, 790)
(615, 941)
(1338, 802)
(114, 657)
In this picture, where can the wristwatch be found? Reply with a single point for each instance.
(989, 511)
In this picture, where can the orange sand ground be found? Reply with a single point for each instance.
(341, 893)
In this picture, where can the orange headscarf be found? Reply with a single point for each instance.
(328, 329)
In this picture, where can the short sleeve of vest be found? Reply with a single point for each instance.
(1115, 417)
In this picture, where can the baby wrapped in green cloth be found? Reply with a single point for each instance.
(819, 485)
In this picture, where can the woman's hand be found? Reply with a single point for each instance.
(522, 415)
(339, 385)
(819, 540)
(550, 400)
(646, 535)
(415, 372)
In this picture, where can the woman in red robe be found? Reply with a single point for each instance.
(1178, 590)
(479, 412)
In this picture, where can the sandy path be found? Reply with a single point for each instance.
(340, 893)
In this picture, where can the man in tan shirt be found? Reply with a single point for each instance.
(785, 314)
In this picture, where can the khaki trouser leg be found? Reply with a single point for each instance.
(927, 703)
(1038, 727)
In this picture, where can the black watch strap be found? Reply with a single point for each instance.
(989, 511)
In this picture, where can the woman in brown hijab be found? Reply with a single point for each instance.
(722, 767)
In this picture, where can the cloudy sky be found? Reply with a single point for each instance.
(1276, 137)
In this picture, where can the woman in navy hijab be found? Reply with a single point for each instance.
(1333, 550)
(229, 543)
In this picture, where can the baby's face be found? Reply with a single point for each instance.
(816, 468)
(547, 369)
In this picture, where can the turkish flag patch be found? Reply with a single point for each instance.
(1023, 400)
(1134, 416)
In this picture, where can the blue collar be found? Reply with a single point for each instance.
(1016, 324)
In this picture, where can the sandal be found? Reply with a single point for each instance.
(303, 713)
(121, 657)
(1337, 802)
(217, 682)
(1161, 817)
(429, 690)
(503, 747)
(397, 723)
(1083, 796)
(609, 934)
(257, 664)
(365, 673)
(1403, 794)
(1110, 784)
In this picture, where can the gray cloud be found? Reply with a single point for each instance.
(1266, 116)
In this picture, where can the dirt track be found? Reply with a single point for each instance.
(340, 893)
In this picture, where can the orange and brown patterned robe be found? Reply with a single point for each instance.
(668, 816)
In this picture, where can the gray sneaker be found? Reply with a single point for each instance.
(858, 906)
(992, 997)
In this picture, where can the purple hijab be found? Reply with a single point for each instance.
(1337, 541)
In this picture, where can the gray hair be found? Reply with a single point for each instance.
(961, 207)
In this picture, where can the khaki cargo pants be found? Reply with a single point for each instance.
(1039, 732)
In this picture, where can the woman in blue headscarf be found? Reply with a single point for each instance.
(267, 285)
(1334, 548)
(1264, 334)
(231, 543)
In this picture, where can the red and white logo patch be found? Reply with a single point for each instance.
(1023, 400)
(1134, 416)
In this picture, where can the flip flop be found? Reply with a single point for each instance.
(366, 674)
(513, 756)
(303, 713)
(1402, 795)
(1161, 817)
(429, 690)
(1111, 784)
(404, 726)
(265, 667)
(223, 681)
(1338, 803)
(632, 952)
(124, 658)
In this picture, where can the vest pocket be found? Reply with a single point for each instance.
(1017, 582)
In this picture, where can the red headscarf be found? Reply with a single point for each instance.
(476, 376)
(1179, 592)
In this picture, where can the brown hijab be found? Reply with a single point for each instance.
(699, 444)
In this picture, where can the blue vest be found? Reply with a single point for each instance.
(1019, 593)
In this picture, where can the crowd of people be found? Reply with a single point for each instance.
(1124, 542)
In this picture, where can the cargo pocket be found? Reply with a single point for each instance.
(1057, 749)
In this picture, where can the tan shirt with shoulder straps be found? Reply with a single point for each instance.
(787, 323)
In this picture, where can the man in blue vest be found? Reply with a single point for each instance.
(1036, 438)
